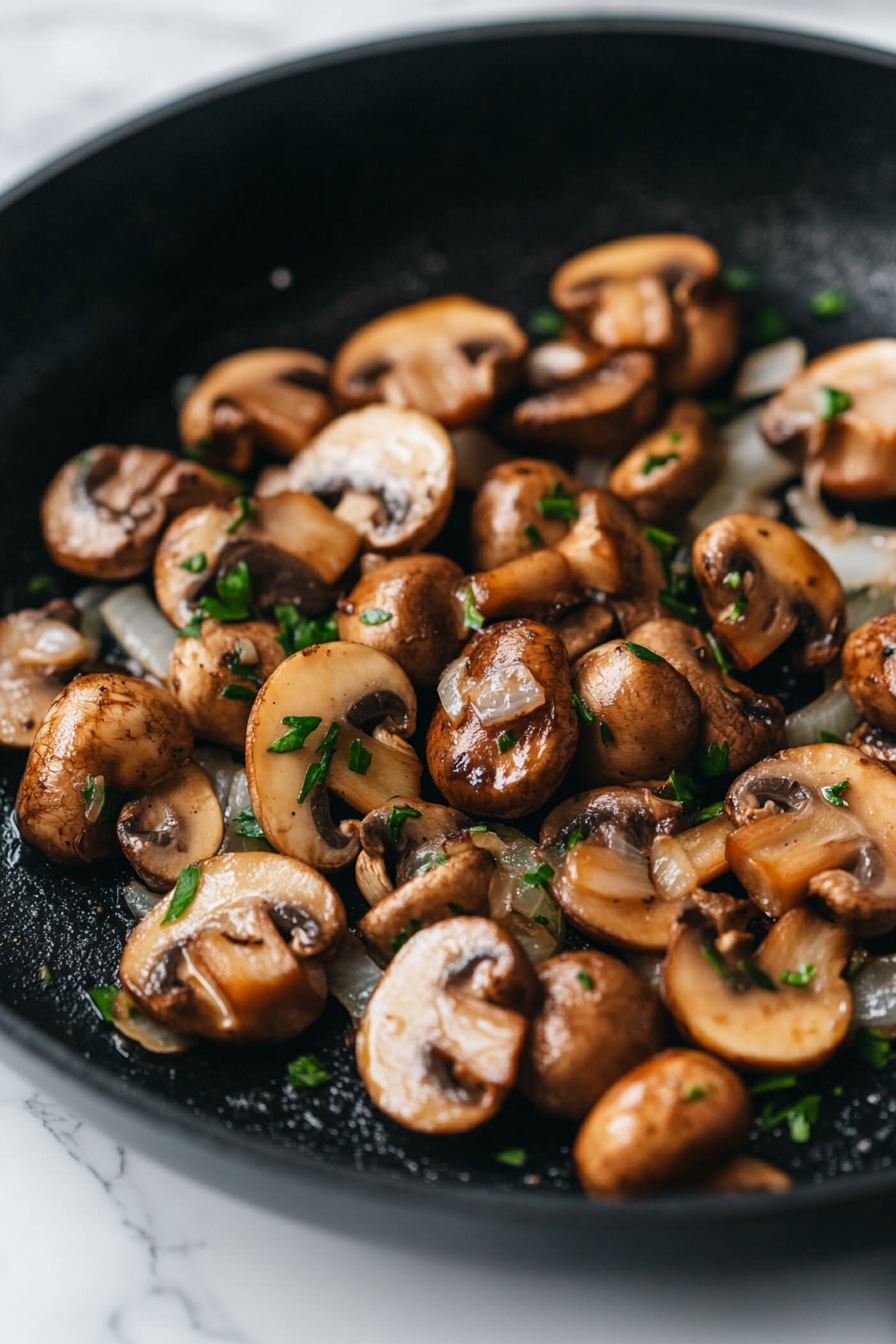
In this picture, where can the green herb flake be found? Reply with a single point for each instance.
(685, 611)
(776, 1083)
(713, 761)
(512, 1157)
(558, 505)
(475, 830)
(397, 818)
(831, 401)
(298, 632)
(307, 1071)
(771, 324)
(837, 1091)
(414, 926)
(711, 811)
(546, 322)
(473, 619)
(375, 616)
(235, 662)
(799, 978)
(299, 728)
(542, 920)
(187, 886)
(830, 303)
(39, 584)
(660, 539)
(195, 564)
(584, 713)
(506, 741)
(193, 627)
(646, 655)
(247, 825)
(709, 954)
(733, 579)
(458, 910)
(359, 758)
(434, 861)
(833, 793)
(684, 789)
(696, 1093)
(799, 1117)
(234, 692)
(719, 654)
(585, 979)
(110, 801)
(318, 770)
(738, 280)
(197, 450)
(45, 974)
(573, 839)
(606, 732)
(247, 513)
(757, 975)
(234, 600)
(533, 536)
(829, 737)
(873, 1047)
(103, 997)
(541, 873)
(737, 609)
(856, 961)
(654, 460)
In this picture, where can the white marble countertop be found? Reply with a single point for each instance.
(98, 1245)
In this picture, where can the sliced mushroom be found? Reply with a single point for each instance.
(784, 1006)
(405, 608)
(449, 357)
(217, 674)
(680, 865)
(674, 1121)
(439, 1045)
(841, 410)
(602, 880)
(752, 725)
(641, 718)
(245, 962)
(510, 738)
(818, 821)
(509, 517)
(35, 648)
(271, 398)
(869, 670)
(600, 413)
(414, 837)
(665, 474)
(331, 692)
(104, 512)
(176, 823)
(104, 735)
(597, 1020)
(556, 362)
(762, 583)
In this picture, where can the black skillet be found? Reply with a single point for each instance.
(467, 161)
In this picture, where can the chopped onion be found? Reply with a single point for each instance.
(768, 370)
(617, 874)
(139, 626)
(751, 470)
(450, 689)
(525, 909)
(874, 994)
(508, 693)
(220, 767)
(868, 603)
(248, 653)
(833, 712)
(353, 977)
(88, 601)
(860, 555)
(139, 899)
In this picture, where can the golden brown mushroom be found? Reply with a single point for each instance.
(869, 670)
(665, 474)
(175, 823)
(217, 674)
(449, 357)
(509, 517)
(505, 732)
(439, 1045)
(601, 413)
(35, 648)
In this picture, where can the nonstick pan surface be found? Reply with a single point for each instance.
(466, 161)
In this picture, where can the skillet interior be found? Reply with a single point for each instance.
(472, 163)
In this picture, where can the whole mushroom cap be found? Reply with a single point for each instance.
(869, 670)
(507, 504)
(665, 474)
(216, 678)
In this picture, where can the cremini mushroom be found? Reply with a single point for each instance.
(560, 360)
(504, 734)
(660, 292)
(640, 717)
(439, 1045)
(308, 736)
(105, 735)
(216, 675)
(869, 670)
(584, 628)
(245, 961)
(818, 821)
(512, 514)
(664, 475)
(600, 413)
(270, 398)
(781, 1007)
(762, 584)
(405, 608)
(751, 725)
(746, 1173)
(875, 742)
(682, 864)
(104, 512)
(675, 1120)
(841, 411)
(601, 879)
(177, 822)
(597, 1020)
(36, 648)
(390, 471)
(449, 357)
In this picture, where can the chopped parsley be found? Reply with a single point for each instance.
(696, 1093)
(506, 741)
(247, 825)
(873, 1047)
(712, 762)
(558, 505)
(685, 611)
(573, 839)
(829, 737)
(830, 303)
(856, 962)
(299, 727)
(738, 280)
(533, 536)
(359, 758)
(771, 324)
(757, 975)
(833, 793)
(472, 615)
(512, 1157)
(733, 579)
(234, 601)
(800, 1117)
(195, 564)
(234, 692)
(777, 1083)
(240, 669)
(103, 997)
(542, 920)
(585, 979)
(606, 732)
(193, 627)
(299, 632)
(831, 401)
(684, 789)
(375, 616)
(39, 584)
(660, 539)
(307, 1071)
(738, 608)
(646, 655)
(546, 322)
(654, 460)
(543, 872)
(712, 810)
(719, 654)
(247, 513)
(584, 713)
(187, 886)
(318, 770)
(799, 978)
(414, 926)
(197, 450)
(675, 435)
(711, 955)
(109, 801)
(45, 974)
(397, 818)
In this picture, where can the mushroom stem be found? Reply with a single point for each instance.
(522, 587)
(776, 858)
(679, 864)
(393, 771)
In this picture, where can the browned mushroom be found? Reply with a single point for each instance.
(448, 357)
(682, 864)
(869, 670)
(600, 413)
(762, 583)
(505, 732)
(271, 398)
(510, 518)
(559, 361)
(748, 1173)
(584, 628)
(245, 961)
(665, 474)
(598, 1019)
(217, 673)
(439, 1045)
(176, 823)
(841, 410)
(875, 742)
(35, 648)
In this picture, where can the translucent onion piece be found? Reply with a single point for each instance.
(526, 909)
(874, 994)
(860, 554)
(88, 601)
(237, 801)
(611, 874)
(867, 603)
(833, 712)
(220, 767)
(134, 1024)
(139, 626)
(508, 693)
(139, 899)
(768, 370)
(450, 689)
(353, 977)
(751, 470)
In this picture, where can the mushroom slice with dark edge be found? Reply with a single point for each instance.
(602, 880)
(818, 821)
(440, 1043)
(392, 472)
(598, 1019)
(510, 517)
(674, 1121)
(244, 960)
(640, 718)
(600, 413)
(869, 670)
(217, 674)
(761, 583)
(104, 512)
(504, 734)
(841, 411)
(448, 357)
(104, 736)
(665, 474)
(35, 648)
(405, 607)
(441, 874)
(270, 398)
(308, 736)
(783, 1007)
(752, 725)
(175, 823)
